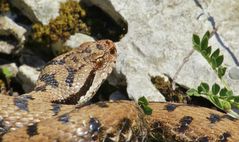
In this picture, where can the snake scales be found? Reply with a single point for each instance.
(48, 113)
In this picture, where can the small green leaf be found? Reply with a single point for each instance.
(196, 40)
(205, 87)
(200, 89)
(204, 53)
(221, 71)
(215, 100)
(215, 54)
(197, 47)
(213, 62)
(143, 101)
(226, 105)
(192, 92)
(209, 50)
(215, 89)
(223, 92)
(229, 93)
(147, 110)
(204, 43)
(237, 106)
(7, 72)
(219, 60)
(236, 99)
(206, 35)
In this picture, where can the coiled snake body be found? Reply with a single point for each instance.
(48, 113)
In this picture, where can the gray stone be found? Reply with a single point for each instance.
(234, 73)
(73, 42)
(6, 48)
(159, 39)
(12, 67)
(117, 95)
(39, 10)
(77, 39)
(9, 27)
(27, 76)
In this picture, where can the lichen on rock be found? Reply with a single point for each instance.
(170, 94)
(67, 23)
(4, 6)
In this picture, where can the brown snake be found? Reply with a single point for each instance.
(48, 113)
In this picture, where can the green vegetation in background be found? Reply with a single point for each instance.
(221, 97)
(67, 23)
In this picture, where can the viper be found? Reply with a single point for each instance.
(56, 109)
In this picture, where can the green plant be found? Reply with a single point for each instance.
(221, 97)
(143, 103)
(67, 23)
(7, 73)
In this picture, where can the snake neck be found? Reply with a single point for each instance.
(40, 96)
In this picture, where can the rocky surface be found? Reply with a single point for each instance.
(159, 39)
(12, 67)
(39, 10)
(9, 27)
(6, 48)
(27, 76)
(77, 39)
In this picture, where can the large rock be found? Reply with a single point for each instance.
(77, 39)
(27, 76)
(9, 27)
(6, 48)
(39, 10)
(159, 39)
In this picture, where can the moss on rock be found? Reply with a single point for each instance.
(4, 6)
(170, 94)
(67, 23)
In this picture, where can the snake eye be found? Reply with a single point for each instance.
(88, 50)
(100, 47)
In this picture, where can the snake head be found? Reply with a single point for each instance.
(76, 75)
(100, 53)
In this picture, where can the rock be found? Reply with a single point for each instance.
(108, 8)
(27, 76)
(233, 73)
(12, 67)
(159, 38)
(9, 27)
(73, 42)
(117, 95)
(233, 77)
(6, 48)
(39, 10)
(77, 39)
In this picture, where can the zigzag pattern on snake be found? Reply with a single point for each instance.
(49, 112)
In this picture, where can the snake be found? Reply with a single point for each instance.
(57, 109)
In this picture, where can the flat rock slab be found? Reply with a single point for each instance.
(159, 38)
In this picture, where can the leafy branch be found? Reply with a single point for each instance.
(221, 97)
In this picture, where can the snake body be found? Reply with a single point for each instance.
(49, 112)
